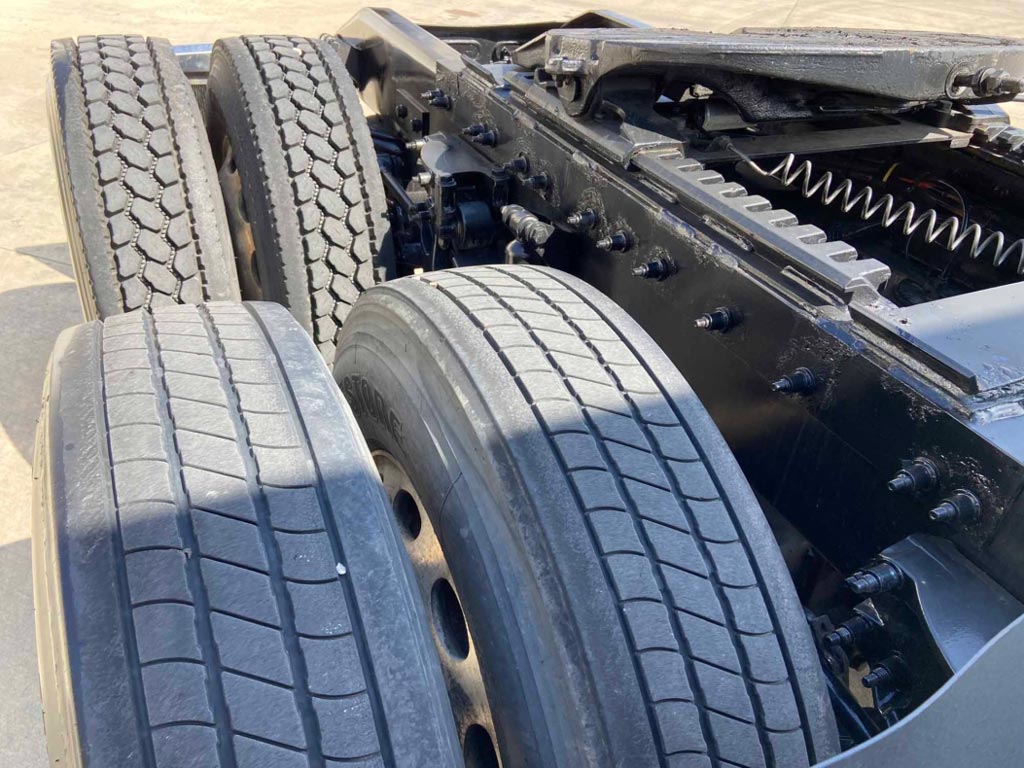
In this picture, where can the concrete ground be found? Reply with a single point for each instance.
(37, 294)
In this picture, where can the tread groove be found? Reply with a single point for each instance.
(310, 723)
(124, 592)
(364, 657)
(196, 587)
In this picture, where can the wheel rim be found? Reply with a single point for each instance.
(452, 635)
(249, 280)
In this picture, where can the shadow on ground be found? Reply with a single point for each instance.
(53, 255)
(21, 730)
(30, 321)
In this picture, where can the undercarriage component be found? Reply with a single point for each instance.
(771, 74)
(821, 228)
(890, 338)
(143, 213)
(952, 232)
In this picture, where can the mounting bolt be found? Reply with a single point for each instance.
(875, 579)
(962, 507)
(582, 219)
(620, 241)
(423, 178)
(802, 381)
(840, 637)
(416, 124)
(876, 677)
(921, 476)
(401, 111)
(658, 269)
(415, 145)
(518, 165)
(437, 98)
(540, 181)
(486, 138)
(474, 130)
(891, 671)
(849, 633)
(721, 319)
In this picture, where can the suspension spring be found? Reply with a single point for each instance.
(949, 233)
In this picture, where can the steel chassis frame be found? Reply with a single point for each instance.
(943, 380)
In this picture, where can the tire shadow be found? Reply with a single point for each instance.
(21, 724)
(30, 321)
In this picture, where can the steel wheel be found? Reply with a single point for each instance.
(452, 635)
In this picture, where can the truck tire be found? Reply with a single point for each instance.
(623, 597)
(300, 176)
(217, 578)
(144, 215)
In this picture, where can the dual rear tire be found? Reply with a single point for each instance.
(587, 578)
(305, 222)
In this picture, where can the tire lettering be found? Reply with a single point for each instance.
(367, 401)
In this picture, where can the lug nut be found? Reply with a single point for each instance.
(875, 579)
(423, 178)
(486, 138)
(539, 181)
(962, 507)
(518, 165)
(721, 319)
(922, 475)
(620, 241)
(583, 218)
(658, 269)
(802, 381)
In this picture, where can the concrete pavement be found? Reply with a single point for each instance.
(37, 296)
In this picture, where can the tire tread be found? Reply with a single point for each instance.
(226, 571)
(710, 657)
(147, 178)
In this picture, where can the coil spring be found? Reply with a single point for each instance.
(888, 212)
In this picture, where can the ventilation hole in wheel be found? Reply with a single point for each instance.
(407, 513)
(449, 619)
(478, 749)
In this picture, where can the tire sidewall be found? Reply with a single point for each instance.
(232, 118)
